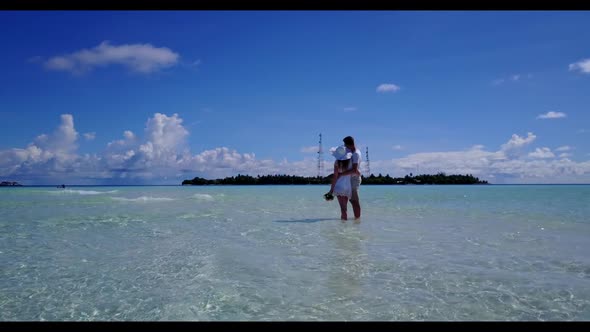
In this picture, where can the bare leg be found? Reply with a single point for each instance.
(356, 205)
(343, 201)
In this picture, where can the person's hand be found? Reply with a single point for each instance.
(357, 172)
(328, 196)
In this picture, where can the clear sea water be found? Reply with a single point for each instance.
(280, 253)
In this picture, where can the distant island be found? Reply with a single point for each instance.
(10, 184)
(440, 178)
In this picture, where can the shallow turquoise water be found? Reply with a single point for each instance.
(281, 253)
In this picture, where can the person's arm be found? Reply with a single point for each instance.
(355, 166)
(354, 170)
(334, 178)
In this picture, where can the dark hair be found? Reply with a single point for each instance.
(348, 140)
(343, 164)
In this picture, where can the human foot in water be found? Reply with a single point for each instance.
(343, 216)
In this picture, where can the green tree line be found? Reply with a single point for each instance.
(281, 179)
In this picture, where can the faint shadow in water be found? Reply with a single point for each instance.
(306, 220)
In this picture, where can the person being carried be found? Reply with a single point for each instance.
(341, 184)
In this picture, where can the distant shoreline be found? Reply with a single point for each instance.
(289, 180)
(10, 184)
(422, 179)
(180, 185)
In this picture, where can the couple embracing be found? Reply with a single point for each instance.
(347, 178)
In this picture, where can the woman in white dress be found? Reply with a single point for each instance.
(341, 185)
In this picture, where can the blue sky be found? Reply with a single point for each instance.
(501, 95)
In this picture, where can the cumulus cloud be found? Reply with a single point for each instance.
(496, 165)
(165, 135)
(564, 148)
(128, 134)
(397, 147)
(552, 115)
(514, 146)
(387, 87)
(565, 155)
(161, 152)
(90, 136)
(47, 154)
(141, 58)
(129, 140)
(463, 162)
(542, 153)
(119, 154)
(63, 140)
(583, 66)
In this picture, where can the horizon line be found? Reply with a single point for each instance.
(181, 185)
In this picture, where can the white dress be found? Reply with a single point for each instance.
(343, 185)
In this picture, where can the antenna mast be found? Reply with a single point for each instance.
(368, 165)
(320, 158)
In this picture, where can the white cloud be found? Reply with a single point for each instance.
(463, 162)
(500, 166)
(162, 153)
(128, 141)
(309, 149)
(565, 155)
(90, 136)
(514, 145)
(542, 153)
(387, 87)
(350, 109)
(583, 66)
(397, 147)
(63, 139)
(128, 134)
(120, 153)
(142, 58)
(164, 134)
(47, 154)
(222, 158)
(564, 148)
(513, 78)
(552, 115)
